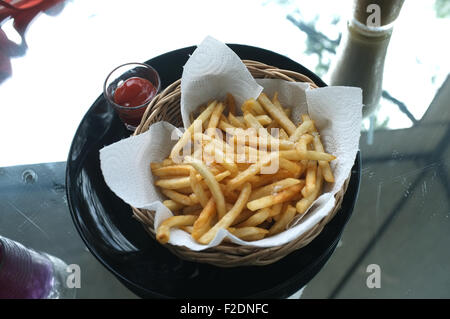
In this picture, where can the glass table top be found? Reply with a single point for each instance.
(402, 215)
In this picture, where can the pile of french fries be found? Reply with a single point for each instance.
(251, 174)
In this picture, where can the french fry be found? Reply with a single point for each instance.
(235, 121)
(290, 166)
(305, 117)
(258, 218)
(172, 170)
(173, 183)
(253, 106)
(273, 125)
(226, 127)
(183, 182)
(240, 118)
(154, 166)
(192, 210)
(214, 119)
(274, 187)
(303, 204)
(286, 216)
(224, 118)
(254, 169)
(177, 197)
(190, 131)
(253, 122)
(187, 229)
(228, 206)
(231, 104)
(283, 135)
(194, 199)
(310, 179)
(275, 100)
(230, 196)
(184, 190)
(221, 176)
(276, 211)
(268, 178)
(264, 119)
(305, 140)
(167, 162)
(198, 150)
(203, 222)
(247, 144)
(305, 127)
(205, 124)
(299, 154)
(243, 166)
(198, 189)
(218, 144)
(212, 183)
(270, 200)
(253, 179)
(163, 231)
(229, 217)
(302, 146)
(277, 114)
(224, 159)
(296, 198)
(277, 103)
(244, 215)
(291, 155)
(172, 205)
(216, 169)
(324, 165)
(249, 233)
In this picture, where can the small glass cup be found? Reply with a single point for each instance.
(130, 115)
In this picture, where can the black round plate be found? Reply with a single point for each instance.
(148, 269)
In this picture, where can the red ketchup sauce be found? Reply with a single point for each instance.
(133, 92)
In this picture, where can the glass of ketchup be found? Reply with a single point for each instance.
(129, 88)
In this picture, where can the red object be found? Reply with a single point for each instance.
(22, 12)
(133, 92)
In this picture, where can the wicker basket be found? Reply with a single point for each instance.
(166, 107)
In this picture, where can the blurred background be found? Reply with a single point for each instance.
(53, 65)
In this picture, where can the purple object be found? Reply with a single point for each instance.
(26, 273)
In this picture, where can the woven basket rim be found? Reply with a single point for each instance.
(228, 254)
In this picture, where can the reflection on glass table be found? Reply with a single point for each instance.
(401, 219)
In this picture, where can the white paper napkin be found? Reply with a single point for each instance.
(211, 72)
